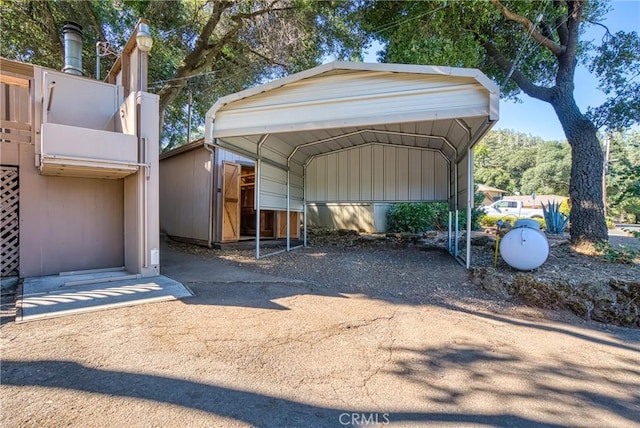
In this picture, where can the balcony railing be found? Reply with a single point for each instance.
(87, 128)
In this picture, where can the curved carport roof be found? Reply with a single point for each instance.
(340, 105)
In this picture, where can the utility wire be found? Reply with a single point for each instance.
(162, 82)
(519, 56)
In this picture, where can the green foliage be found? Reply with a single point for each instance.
(492, 220)
(550, 172)
(521, 163)
(417, 217)
(565, 206)
(555, 220)
(253, 41)
(610, 224)
(492, 36)
(617, 67)
(476, 217)
(622, 254)
(634, 233)
(623, 176)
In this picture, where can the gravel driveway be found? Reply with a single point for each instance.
(370, 336)
(410, 275)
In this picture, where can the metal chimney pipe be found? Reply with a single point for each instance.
(72, 33)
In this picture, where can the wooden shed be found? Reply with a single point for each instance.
(207, 195)
(345, 135)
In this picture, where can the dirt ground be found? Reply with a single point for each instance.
(353, 343)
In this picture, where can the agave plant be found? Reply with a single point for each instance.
(555, 221)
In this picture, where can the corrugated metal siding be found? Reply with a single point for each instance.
(273, 182)
(364, 217)
(358, 96)
(377, 173)
(185, 183)
(342, 216)
(273, 189)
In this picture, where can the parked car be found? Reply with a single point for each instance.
(506, 206)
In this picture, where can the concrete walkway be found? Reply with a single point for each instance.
(60, 295)
(78, 292)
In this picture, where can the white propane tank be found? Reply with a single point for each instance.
(524, 247)
(527, 222)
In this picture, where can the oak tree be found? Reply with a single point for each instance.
(529, 47)
(203, 49)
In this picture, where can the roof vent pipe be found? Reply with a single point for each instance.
(72, 33)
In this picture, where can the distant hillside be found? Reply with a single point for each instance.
(523, 164)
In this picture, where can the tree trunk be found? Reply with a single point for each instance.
(585, 189)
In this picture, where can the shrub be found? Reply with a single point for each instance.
(620, 254)
(565, 206)
(610, 223)
(491, 220)
(417, 217)
(555, 220)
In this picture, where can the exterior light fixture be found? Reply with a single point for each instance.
(143, 38)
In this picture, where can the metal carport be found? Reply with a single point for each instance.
(287, 123)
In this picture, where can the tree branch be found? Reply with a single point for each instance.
(607, 33)
(527, 86)
(268, 60)
(523, 21)
(46, 18)
(546, 30)
(189, 65)
(561, 24)
(239, 16)
(567, 61)
(94, 21)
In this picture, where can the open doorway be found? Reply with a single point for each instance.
(248, 209)
(238, 205)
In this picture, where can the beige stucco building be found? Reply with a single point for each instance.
(79, 172)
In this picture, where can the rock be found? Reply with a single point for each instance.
(613, 302)
(489, 280)
(580, 307)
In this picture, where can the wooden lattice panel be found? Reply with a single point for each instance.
(9, 245)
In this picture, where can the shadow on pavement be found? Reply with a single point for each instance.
(628, 335)
(480, 366)
(246, 406)
(248, 294)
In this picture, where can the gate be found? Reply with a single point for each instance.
(9, 245)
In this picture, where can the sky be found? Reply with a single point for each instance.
(537, 117)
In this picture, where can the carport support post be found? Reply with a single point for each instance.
(470, 203)
(455, 202)
(288, 207)
(304, 204)
(456, 235)
(449, 235)
(257, 200)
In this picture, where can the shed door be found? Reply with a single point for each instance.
(9, 219)
(230, 201)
